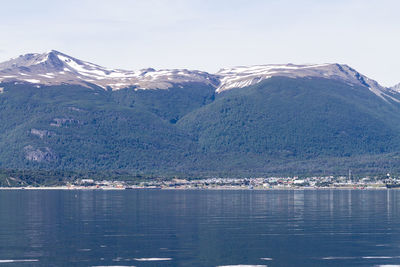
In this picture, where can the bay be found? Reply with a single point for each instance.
(199, 228)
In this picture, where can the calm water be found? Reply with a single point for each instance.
(200, 228)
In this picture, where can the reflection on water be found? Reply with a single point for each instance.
(200, 228)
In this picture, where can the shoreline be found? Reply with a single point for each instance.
(192, 189)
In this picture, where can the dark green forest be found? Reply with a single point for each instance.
(281, 126)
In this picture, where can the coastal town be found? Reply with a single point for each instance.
(261, 183)
(267, 183)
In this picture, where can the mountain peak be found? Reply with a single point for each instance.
(49, 61)
(243, 76)
(54, 67)
(54, 52)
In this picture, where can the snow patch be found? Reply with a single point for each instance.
(25, 260)
(153, 259)
(32, 80)
(47, 76)
(380, 257)
(339, 258)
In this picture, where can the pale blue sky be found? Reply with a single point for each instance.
(209, 35)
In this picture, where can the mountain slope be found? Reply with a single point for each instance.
(171, 104)
(293, 119)
(74, 127)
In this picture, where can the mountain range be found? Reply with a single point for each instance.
(62, 113)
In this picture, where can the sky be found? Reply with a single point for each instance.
(209, 34)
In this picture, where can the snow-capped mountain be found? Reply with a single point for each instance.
(294, 123)
(243, 76)
(55, 68)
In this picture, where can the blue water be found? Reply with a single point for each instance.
(200, 228)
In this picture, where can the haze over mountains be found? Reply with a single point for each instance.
(59, 112)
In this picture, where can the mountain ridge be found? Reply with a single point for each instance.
(55, 68)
